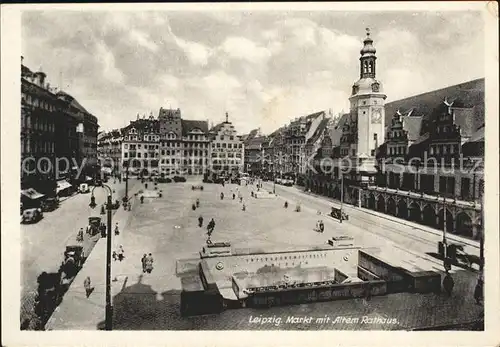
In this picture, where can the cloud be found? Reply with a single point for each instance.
(198, 54)
(109, 69)
(143, 40)
(245, 49)
(263, 68)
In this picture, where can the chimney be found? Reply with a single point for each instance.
(40, 78)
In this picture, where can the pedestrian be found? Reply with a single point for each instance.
(143, 261)
(478, 292)
(115, 256)
(87, 285)
(79, 236)
(448, 284)
(149, 263)
(121, 253)
(244, 207)
(117, 231)
(129, 206)
(222, 196)
(234, 196)
(200, 221)
(197, 202)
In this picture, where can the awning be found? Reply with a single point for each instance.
(32, 194)
(62, 185)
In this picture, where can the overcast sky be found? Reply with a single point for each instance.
(264, 68)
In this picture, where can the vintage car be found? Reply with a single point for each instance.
(84, 188)
(199, 186)
(179, 179)
(336, 212)
(287, 182)
(50, 204)
(32, 215)
(73, 260)
(164, 180)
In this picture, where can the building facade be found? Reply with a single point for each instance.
(109, 150)
(52, 147)
(185, 147)
(141, 146)
(426, 166)
(227, 150)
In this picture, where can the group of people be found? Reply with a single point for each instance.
(119, 254)
(147, 263)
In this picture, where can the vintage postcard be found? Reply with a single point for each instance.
(250, 174)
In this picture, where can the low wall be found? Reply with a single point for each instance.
(307, 295)
(398, 278)
(380, 268)
(339, 276)
(366, 275)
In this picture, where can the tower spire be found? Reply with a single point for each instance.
(368, 57)
(227, 117)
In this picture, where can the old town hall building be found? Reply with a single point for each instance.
(419, 158)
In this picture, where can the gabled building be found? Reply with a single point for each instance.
(254, 152)
(141, 146)
(227, 149)
(109, 150)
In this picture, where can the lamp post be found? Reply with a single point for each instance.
(109, 207)
(125, 199)
(341, 193)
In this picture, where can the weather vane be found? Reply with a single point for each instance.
(367, 31)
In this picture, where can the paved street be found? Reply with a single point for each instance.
(43, 243)
(167, 228)
(405, 234)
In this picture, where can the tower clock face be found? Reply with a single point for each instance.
(376, 117)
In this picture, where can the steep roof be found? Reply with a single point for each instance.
(33, 89)
(190, 125)
(413, 126)
(217, 127)
(255, 143)
(478, 136)
(466, 120)
(314, 115)
(467, 95)
(319, 130)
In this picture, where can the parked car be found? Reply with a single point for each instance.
(200, 187)
(50, 204)
(179, 179)
(336, 212)
(84, 188)
(164, 180)
(32, 215)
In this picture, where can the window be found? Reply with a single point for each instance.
(224, 145)
(229, 145)
(222, 138)
(138, 154)
(231, 138)
(218, 144)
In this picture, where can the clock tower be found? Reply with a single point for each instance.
(367, 109)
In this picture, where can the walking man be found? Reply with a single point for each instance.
(117, 231)
(143, 261)
(200, 221)
(222, 196)
(87, 285)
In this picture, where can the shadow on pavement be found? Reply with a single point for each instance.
(138, 306)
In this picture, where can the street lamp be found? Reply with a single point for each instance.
(109, 207)
(125, 198)
(341, 192)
